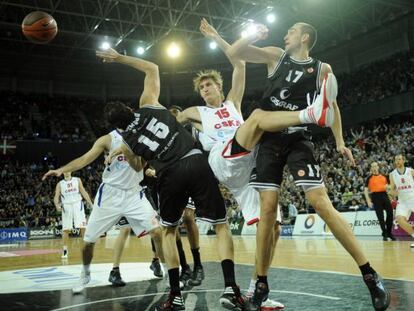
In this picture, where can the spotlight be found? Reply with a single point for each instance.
(173, 50)
(105, 45)
(270, 18)
(213, 45)
(140, 50)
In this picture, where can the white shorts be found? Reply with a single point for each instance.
(233, 171)
(111, 204)
(73, 215)
(405, 208)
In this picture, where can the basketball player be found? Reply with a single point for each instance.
(377, 197)
(294, 78)
(402, 185)
(68, 200)
(118, 195)
(154, 134)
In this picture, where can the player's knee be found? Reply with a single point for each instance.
(255, 117)
(277, 229)
(318, 199)
(268, 204)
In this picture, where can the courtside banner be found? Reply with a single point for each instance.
(39, 233)
(287, 230)
(366, 223)
(309, 224)
(350, 218)
(13, 234)
(398, 231)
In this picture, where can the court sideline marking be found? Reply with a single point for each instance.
(187, 292)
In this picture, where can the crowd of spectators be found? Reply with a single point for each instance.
(34, 116)
(26, 200)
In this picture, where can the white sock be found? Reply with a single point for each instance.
(164, 268)
(304, 117)
(86, 269)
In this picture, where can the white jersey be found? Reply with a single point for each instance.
(69, 191)
(404, 183)
(219, 124)
(119, 174)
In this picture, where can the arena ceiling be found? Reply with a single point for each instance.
(84, 24)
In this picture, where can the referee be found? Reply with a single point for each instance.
(376, 185)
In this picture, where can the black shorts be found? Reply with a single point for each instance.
(278, 149)
(190, 177)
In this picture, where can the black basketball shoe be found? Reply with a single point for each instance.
(173, 303)
(156, 268)
(197, 277)
(261, 293)
(379, 294)
(115, 278)
(185, 275)
(231, 299)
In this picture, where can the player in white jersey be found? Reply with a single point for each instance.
(68, 200)
(402, 185)
(119, 195)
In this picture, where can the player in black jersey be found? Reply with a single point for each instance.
(153, 134)
(294, 78)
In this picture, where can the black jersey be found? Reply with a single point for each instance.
(293, 85)
(156, 136)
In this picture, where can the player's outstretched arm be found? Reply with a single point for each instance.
(151, 91)
(239, 72)
(97, 149)
(243, 49)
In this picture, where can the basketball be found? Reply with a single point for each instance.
(39, 27)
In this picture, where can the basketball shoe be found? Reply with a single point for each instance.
(379, 294)
(322, 111)
(261, 294)
(173, 303)
(84, 279)
(231, 299)
(115, 278)
(156, 268)
(197, 277)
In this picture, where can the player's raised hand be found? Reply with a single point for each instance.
(56, 173)
(207, 30)
(108, 56)
(112, 154)
(347, 153)
(150, 172)
(261, 32)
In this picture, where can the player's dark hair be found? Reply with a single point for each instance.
(311, 31)
(118, 115)
(176, 108)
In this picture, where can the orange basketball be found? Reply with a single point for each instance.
(39, 27)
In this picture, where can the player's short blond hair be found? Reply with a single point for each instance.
(208, 74)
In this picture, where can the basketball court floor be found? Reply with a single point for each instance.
(307, 274)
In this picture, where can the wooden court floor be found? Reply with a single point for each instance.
(393, 260)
